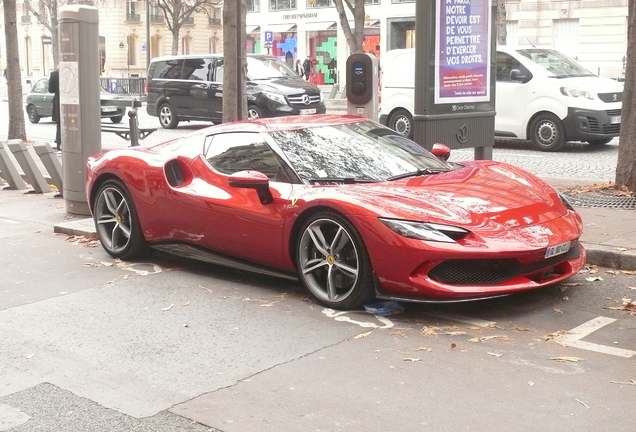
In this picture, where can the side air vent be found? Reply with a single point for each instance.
(174, 173)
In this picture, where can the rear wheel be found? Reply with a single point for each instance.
(117, 119)
(547, 133)
(34, 117)
(402, 122)
(600, 142)
(117, 222)
(167, 117)
(333, 263)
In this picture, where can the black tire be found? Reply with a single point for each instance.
(117, 119)
(337, 273)
(547, 133)
(401, 121)
(254, 112)
(117, 222)
(599, 142)
(33, 115)
(167, 117)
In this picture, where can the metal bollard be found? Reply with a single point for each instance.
(133, 123)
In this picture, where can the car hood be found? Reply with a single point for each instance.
(482, 194)
(285, 86)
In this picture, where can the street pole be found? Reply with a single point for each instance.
(147, 35)
(239, 64)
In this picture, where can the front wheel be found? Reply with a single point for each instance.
(333, 263)
(254, 112)
(34, 117)
(401, 121)
(117, 222)
(117, 119)
(167, 117)
(547, 133)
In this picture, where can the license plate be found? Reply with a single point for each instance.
(615, 120)
(109, 109)
(308, 111)
(557, 249)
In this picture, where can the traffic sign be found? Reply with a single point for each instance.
(269, 36)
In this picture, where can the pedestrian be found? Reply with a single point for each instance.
(307, 68)
(54, 87)
(299, 68)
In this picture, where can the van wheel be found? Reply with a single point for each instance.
(167, 118)
(402, 122)
(117, 119)
(599, 142)
(546, 133)
(253, 112)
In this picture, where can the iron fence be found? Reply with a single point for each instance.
(133, 86)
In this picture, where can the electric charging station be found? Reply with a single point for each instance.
(362, 85)
(80, 117)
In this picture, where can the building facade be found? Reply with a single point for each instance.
(594, 32)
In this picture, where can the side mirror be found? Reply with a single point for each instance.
(253, 180)
(515, 75)
(441, 151)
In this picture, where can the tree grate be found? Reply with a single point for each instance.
(605, 199)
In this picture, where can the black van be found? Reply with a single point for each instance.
(190, 87)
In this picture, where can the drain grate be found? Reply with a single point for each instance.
(607, 199)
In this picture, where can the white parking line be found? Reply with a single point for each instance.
(574, 336)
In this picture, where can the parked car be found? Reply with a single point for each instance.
(541, 95)
(190, 87)
(39, 103)
(346, 205)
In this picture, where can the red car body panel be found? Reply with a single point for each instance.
(483, 197)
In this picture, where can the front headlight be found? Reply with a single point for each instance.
(576, 92)
(425, 231)
(275, 97)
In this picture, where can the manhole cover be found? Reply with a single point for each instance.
(607, 199)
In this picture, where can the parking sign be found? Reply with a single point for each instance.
(269, 36)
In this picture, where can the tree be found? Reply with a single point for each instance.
(626, 165)
(234, 60)
(14, 76)
(501, 22)
(47, 16)
(178, 12)
(354, 36)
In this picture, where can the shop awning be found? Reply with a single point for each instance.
(252, 29)
(319, 26)
(280, 28)
(374, 23)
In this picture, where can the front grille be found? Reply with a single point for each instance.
(297, 100)
(493, 271)
(612, 113)
(592, 122)
(612, 129)
(611, 97)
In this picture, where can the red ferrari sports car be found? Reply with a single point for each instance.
(345, 205)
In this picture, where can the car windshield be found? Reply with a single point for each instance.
(267, 68)
(558, 64)
(364, 151)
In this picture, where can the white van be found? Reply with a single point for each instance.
(541, 95)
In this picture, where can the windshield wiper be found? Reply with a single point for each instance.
(345, 180)
(419, 172)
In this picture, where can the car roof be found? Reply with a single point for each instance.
(286, 123)
(200, 56)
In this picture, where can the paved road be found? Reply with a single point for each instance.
(576, 162)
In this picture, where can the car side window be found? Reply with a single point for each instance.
(217, 72)
(169, 69)
(42, 86)
(230, 153)
(505, 64)
(196, 69)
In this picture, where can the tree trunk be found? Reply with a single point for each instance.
(14, 77)
(55, 43)
(175, 39)
(626, 165)
(354, 36)
(502, 33)
(234, 57)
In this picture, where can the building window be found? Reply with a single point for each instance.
(253, 5)
(132, 50)
(214, 43)
(185, 44)
(131, 11)
(371, 1)
(154, 46)
(282, 4)
(29, 54)
(319, 3)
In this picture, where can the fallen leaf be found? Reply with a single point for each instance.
(566, 298)
(454, 333)
(429, 331)
(594, 279)
(483, 338)
(558, 311)
(494, 354)
(427, 349)
(555, 334)
(362, 335)
(29, 356)
(628, 306)
(187, 303)
(629, 272)
(186, 325)
(634, 288)
(453, 346)
(474, 328)
(411, 359)
(567, 359)
(530, 383)
(614, 272)
(167, 308)
(582, 403)
(106, 264)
